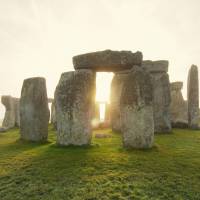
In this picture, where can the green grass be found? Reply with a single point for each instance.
(171, 170)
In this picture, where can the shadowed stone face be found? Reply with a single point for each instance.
(9, 118)
(53, 114)
(107, 61)
(115, 95)
(161, 94)
(74, 103)
(17, 112)
(193, 97)
(34, 111)
(137, 110)
(178, 106)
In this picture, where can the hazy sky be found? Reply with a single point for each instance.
(39, 37)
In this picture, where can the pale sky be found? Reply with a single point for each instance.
(39, 37)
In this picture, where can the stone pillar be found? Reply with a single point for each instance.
(9, 118)
(53, 114)
(115, 95)
(193, 97)
(107, 113)
(178, 106)
(136, 107)
(17, 112)
(74, 103)
(161, 94)
(34, 111)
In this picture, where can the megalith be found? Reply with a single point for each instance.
(161, 94)
(53, 114)
(34, 111)
(193, 97)
(115, 95)
(108, 61)
(178, 106)
(17, 112)
(9, 118)
(74, 103)
(136, 108)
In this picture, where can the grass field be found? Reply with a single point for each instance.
(171, 170)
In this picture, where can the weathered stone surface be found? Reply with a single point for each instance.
(9, 118)
(74, 103)
(136, 107)
(193, 97)
(115, 95)
(53, 114)
(34, 111)
(161, 94)
(109, 61)
(156, 66)
(17, 112)
(178, 106)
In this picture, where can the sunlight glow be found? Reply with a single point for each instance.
(103, 82)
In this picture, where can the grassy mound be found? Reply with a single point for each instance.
(171, 170)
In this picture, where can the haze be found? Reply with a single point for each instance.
(39, 37)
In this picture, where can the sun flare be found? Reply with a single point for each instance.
(103, 82)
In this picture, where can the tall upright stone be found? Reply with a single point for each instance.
(136, 107)
(74, 103)
(115, 95)
(17, 111)
(178, 106)
(9, 118)
(161, 94)
(34, 111)
(193, 97)
(53, 114)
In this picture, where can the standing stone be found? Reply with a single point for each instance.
(178, 106)
(193, 97)
(34, 111)
(53, 114)
(115, 95)
(74, 103)
(17, 112)
(161, 94)
(9, 118)
(136, 107)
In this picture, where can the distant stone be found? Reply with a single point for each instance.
(193, 97)
(156, 66)
(17, 111)
(161, 94)
(34, 111)
(74, 103)
(3, 129)
(103, 135)
(178, 106)
(50, 100)
(115, 96)
(136, 106)
(9, 118)
(108, 61)
(53, 114)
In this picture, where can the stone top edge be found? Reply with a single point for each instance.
(156, 66)
(35, 78)
(178, 85)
